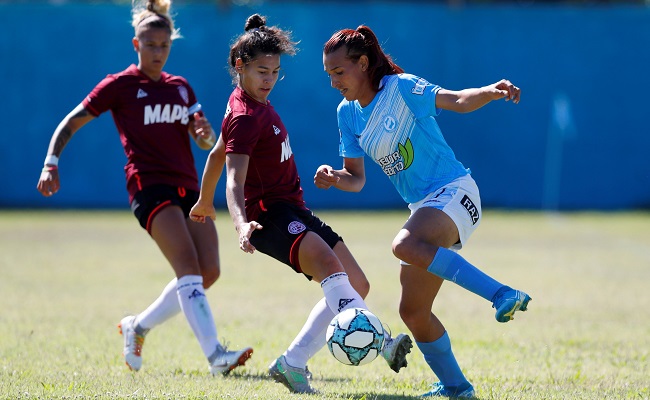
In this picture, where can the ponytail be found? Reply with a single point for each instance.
(363, 41)
(153, 14)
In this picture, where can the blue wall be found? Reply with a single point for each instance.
(578, 139)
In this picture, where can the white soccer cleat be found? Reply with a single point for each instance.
(229, 360)
(395, 350)
(295, 379)
(132, 343)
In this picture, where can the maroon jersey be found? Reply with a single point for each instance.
(255, 129)
(152, 119)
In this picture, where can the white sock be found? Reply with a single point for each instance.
(162, 309)
(340, 294)
(197, 312)
(311, 337)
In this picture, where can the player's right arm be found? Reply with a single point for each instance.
(204, 207)
(351, 178)
(49, 183)
(236, 171)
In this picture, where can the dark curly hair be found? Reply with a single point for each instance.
(258, 38)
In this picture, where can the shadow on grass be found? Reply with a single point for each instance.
(333, 381)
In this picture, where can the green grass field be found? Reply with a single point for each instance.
(67, 278)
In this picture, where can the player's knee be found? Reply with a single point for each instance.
(413, 317)
(403, 249)
(321, 264)
(210, 275)
(362, 287)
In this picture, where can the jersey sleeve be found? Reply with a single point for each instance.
(348, 142)
(241, 135)
(420, 95)
(103, 97)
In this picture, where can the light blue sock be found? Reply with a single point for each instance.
(452, 267)
(442, 362)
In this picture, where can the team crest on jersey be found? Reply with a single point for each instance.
(295, 227)
(419, 87)
(182, 90)
(390, 123)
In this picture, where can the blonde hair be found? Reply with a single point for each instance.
(153, 13)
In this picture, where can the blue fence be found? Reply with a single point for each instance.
(578, 140)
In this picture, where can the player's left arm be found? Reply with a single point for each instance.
(202, 132)
(471, 99)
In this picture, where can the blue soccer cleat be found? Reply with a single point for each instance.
(465, 391)
(508, 301)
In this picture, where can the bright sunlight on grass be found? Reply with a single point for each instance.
(67, 278)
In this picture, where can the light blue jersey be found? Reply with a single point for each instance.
(399, 132)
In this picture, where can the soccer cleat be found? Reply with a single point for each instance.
(228, 360)
(132, 343)
(508, 302)
(395, 351)
(295, 379)
(458, 392)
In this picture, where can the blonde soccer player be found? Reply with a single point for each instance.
(156, 114)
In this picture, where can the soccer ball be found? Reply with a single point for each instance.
(355, 336)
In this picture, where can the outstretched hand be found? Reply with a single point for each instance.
(245, 231)
(504, 89)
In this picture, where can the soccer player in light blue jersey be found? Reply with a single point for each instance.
(390, 115)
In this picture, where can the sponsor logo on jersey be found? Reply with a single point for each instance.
(141, 94)
(276, 130)
(419, 87)
(286, 150)
(295, 227)
(398, 160)
(471, 209)
(168, 113)
(182, 90)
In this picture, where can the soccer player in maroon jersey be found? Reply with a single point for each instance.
(154, 111)
(266, 203)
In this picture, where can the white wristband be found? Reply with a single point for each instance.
(51, 159)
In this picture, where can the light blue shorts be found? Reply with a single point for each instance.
(460, 200)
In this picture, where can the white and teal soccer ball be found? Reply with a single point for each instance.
(355, 336)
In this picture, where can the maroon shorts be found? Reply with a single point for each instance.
(284, 227)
